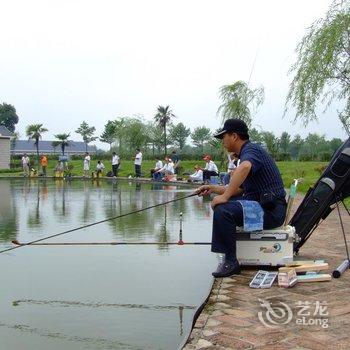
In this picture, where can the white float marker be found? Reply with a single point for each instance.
(180, 233)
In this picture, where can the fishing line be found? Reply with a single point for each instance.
(97, 222)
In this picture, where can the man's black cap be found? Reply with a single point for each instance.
(234, 125)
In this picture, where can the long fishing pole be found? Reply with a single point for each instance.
(98, 222)
(108, 243)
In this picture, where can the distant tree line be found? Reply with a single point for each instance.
(124, 135)
(313, 147)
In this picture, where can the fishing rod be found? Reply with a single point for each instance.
(17, 243)
(98, 222)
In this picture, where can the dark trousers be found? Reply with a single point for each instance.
(229, 215)
(157, 176)
(115, 169)
(208, 173)
(137, 170)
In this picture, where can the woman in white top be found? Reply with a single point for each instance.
(167, 169)
(87, 161)
(210, 168)
(197, 175)
(233, 163)
(159, 165)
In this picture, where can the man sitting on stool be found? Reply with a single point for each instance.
(256, 179)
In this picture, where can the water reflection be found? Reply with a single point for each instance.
(70, 304)
(8, 213)
(162, 234)
(34, 219)
(59, 197)
(65, 303)
(125, 297)
(88, 211)
(97, 343)
(43, 201)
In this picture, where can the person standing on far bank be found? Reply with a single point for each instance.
(43, 163)
(138, 162)
(87, 160)
(115, 164)
(25, 164)
(176, 160)
(256, 179)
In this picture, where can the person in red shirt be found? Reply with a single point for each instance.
(43, 163)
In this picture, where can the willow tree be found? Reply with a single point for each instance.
(240, 101)
(34, 132)
(163, 118)
(322, 68)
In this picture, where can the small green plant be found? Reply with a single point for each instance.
(68, 171)
(299, 173)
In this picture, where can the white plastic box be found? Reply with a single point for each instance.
(267, 247)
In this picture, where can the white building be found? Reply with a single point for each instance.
(5, 145)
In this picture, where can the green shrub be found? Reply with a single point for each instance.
(306, 157)
(325, 156)
(282, 157)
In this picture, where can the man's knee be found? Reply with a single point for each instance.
(219, 211)
(223, 212)
(231, 211)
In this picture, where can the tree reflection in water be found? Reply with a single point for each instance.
(91, 200)
(152, 307)
(8, 213)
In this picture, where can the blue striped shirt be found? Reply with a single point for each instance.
(264, 176)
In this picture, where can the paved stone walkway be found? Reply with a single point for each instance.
(230, 318)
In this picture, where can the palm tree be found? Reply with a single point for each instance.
(55, 144)
(239, 101)
(62, 139)
(163, 117)
(34, 131)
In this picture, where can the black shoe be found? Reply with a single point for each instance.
(227, 269)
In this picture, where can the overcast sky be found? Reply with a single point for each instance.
(63, 62)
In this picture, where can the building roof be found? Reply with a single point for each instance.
(21, 146)
(5, 132)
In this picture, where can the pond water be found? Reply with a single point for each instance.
(105, 296)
